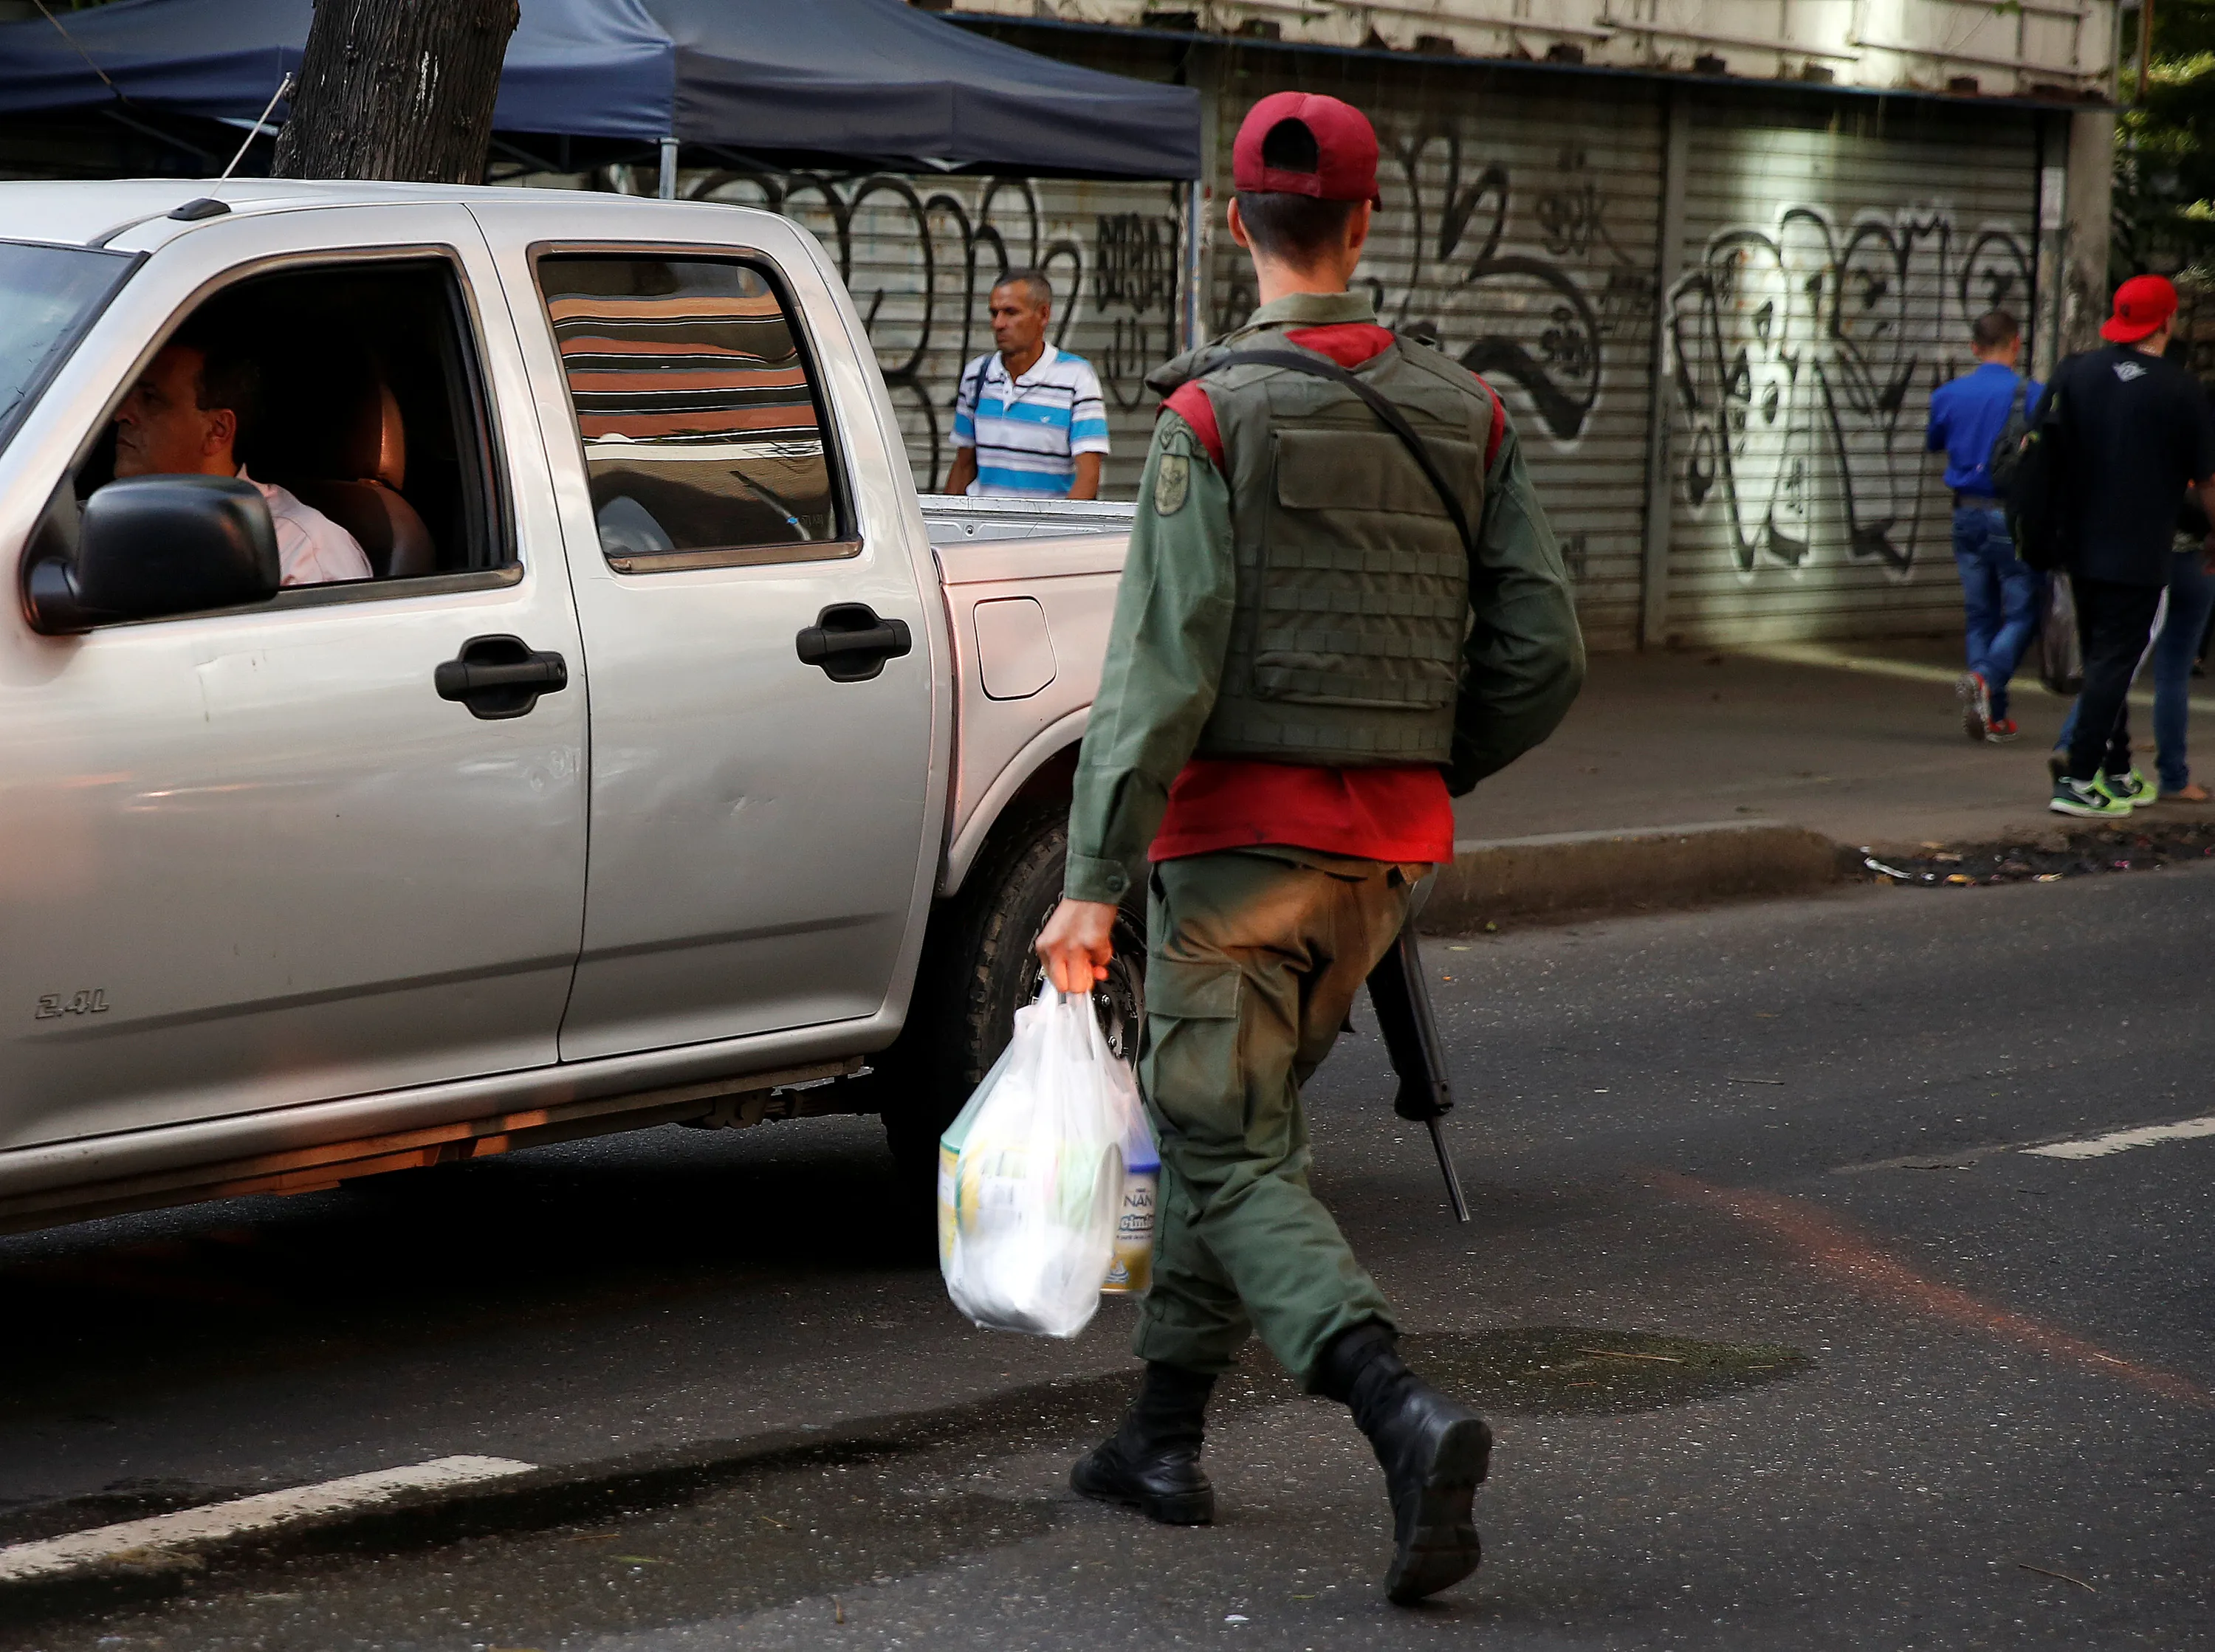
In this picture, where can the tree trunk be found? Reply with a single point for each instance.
(397, 89)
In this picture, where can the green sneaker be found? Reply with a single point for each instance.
(2133, 789)
(2087, 799)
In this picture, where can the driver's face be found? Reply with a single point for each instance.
(160, 430)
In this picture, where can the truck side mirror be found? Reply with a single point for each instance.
(152, 546)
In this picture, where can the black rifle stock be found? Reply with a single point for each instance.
(1402, 997)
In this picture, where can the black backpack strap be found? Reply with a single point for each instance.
(1394, 419)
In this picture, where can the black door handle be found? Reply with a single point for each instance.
(500, 677)
(850, 643)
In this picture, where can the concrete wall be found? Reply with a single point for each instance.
(2011, 50)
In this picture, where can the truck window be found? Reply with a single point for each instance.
(375, 412)
(703, 426)
(357, 406)
(48, 295)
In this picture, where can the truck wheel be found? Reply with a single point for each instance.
(978, 969)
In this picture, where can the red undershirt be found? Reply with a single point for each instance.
(1375, 814)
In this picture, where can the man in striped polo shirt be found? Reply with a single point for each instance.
(1028, 420)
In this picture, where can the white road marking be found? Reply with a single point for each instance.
(2089, 1147)
(2098, 1146)
(160, 1535)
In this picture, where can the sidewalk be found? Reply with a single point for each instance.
(1682, 779)
(1860, 743)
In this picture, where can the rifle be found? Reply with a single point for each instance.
(1403, 1001)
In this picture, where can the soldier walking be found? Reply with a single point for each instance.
(1341, 606)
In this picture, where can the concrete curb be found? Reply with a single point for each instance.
(1566, 874)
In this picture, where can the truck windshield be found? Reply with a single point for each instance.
(48, 296)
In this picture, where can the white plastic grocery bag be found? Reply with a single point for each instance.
(1031, 1175)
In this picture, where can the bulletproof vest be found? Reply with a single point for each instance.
(1353, 592)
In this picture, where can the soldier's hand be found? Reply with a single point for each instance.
(1077, 943)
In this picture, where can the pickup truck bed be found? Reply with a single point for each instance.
(1030, 587)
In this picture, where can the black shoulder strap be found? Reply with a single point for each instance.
(1379, 404)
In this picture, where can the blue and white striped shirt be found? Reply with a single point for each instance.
(1028, 430)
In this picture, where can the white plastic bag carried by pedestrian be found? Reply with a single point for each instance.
(1031, 1174)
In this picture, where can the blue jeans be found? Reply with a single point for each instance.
(2191, 598)
(2191, 593)
(2000, 592)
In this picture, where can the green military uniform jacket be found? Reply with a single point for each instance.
(1523, 663)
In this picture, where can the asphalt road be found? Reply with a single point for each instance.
(1787, 1341)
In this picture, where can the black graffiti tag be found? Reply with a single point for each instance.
(1520, 317)
(1800, 356)
(1136, 264)
(1560, 367)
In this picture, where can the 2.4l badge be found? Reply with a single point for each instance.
(87, 1001)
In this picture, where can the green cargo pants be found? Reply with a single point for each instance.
(1254, 957)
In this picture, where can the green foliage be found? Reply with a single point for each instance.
(2165, 144)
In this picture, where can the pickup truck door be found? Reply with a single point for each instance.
(255, 858)
(764, 819)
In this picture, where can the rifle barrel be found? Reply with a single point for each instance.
(1447, 1169)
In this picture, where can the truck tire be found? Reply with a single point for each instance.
(978, 969)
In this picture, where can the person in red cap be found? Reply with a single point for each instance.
(2134, 436)
(1341, 606)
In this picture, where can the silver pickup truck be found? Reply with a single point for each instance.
(677, 763)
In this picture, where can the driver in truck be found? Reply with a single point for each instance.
(189, 414)
(1342, 605)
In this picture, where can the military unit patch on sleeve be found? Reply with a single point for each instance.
(1172, 484)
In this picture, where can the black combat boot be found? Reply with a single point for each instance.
(1434, 1451)
(1152, 1463)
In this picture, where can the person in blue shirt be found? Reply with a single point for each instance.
(1999, 589)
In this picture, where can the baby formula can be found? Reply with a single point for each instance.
(949, 1164)
(1131, 1269)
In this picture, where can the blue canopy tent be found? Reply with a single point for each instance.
(869, 81)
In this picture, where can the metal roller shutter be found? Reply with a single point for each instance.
(1519, 226)
(1835, 255)
(920, 255)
